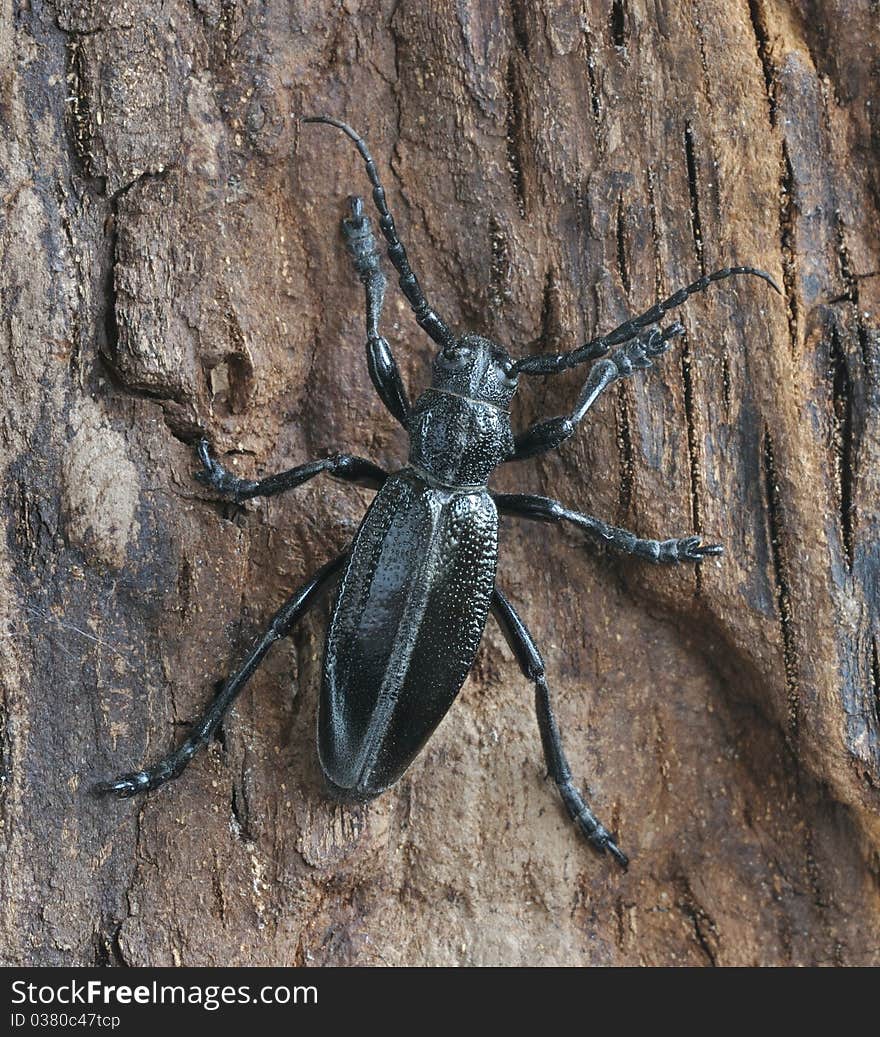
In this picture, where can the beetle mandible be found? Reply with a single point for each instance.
(418, 582)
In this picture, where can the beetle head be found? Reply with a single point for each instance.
(476, 368)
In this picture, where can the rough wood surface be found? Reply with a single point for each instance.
(170, 263)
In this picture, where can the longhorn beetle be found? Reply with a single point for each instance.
(418, 581)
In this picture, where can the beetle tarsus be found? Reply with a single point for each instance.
(136, 782)
(603, 840)
(617, 854)
(687, 549)
(596, 833)
(637, 355)
(213, 474)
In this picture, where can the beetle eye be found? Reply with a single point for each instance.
(455, 355)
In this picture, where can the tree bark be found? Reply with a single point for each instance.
(171, 266)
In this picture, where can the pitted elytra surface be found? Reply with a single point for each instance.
(408, 620)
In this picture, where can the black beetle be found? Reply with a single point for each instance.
(418, 582)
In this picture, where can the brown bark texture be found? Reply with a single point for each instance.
(171, 266)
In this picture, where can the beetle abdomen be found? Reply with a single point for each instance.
(408, 619)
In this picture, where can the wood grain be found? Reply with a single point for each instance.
(170, 265)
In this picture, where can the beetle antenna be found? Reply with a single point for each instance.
(409, 283)
(551, 364)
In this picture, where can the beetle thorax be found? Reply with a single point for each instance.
(460, 427)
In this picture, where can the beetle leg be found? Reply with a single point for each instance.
(552, 432)
(532, 665)
(545, 509)
(384, 373)
(341, 466)
(282, 623)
